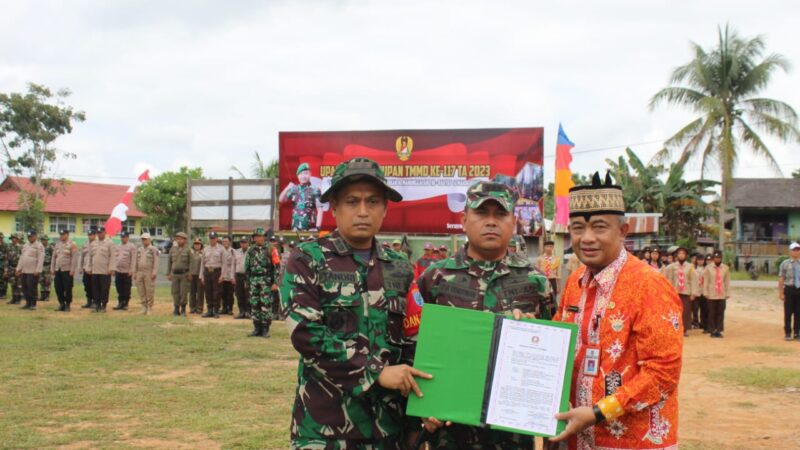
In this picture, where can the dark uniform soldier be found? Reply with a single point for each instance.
(261, 274)
(12, 258)
(45, 279)
(178, 273)
(195, 287)
(3, 261)
(484, 276)
(346, 299)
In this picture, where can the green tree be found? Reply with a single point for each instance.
(680, 202)
(796, 174)
(29, 124)
(722, 85)
(163, 199)
(260, 169)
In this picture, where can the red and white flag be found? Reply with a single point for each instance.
(119, 214)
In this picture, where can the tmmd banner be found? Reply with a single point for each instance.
(432, 169)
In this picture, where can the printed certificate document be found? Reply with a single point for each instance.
(493, 371)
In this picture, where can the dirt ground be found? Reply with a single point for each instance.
(722, 416)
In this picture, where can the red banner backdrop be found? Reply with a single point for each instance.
(430, 168)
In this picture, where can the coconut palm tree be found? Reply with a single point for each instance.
(722, 85)
(260, 168)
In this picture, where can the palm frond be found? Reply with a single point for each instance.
(772, 107)
(783, 130)
(758, 147)
(677, 96)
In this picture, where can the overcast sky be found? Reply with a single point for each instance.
(208, 83)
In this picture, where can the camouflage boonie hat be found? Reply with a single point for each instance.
(482, 191)
(358, 169)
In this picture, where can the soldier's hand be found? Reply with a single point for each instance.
(518, 314)
(431, 424)
(274, 287)
(153, 277)
(18, 273)
(401, 377)
(72, 274)
(169, 277)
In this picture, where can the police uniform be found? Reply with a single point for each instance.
(29, 268)
(228, 276)
(123, 277)
(345, 312)
(493, 286)
(178, 269)
(210, 271)
(102, 261)
(145, 269)
(64, 266)
(242, 287)
(86, 268)
(195, 287)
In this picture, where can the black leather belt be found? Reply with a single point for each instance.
(180, 272)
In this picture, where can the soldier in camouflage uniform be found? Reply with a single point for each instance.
(307, 214)
(261, 275)
(484, 276)
(346, 300)
(12, 258)
(46, 278)
(3, 281)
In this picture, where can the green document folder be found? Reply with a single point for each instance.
(458, 347)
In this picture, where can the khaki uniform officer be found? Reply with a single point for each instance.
(29, 267)
(145, 269)
(64, 266)
(210, 271)
(103, 262)
(178, 273)
(123, 279)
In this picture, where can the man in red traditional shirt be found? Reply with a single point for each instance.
(629, 346)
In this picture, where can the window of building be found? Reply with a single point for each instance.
(155, 231)
(88, 223)
(129, 226)
(18, 228)
(58, 223)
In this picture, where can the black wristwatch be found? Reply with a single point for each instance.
(598, 415)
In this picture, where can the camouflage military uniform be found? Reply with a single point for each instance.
(260, 274)
(12, 258)
(496, 286)
(3, 281)
(345, 316)
(305, 198)
(46, 279)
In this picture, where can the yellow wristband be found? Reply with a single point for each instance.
(610, 407)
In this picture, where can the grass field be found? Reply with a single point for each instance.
(122, 380)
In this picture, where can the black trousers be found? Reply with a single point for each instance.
(716, 315)
(791, 307)
(227, 296)
(242, 293)
(686, 302)
(29, 284)
(63, 282)
(101, 284)
(213, 289)
(87, 288)
(122, 281)
(703, 304)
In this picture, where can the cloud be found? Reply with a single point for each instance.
(208, 83)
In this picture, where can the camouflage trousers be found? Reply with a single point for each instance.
(45, 281)
(16, 287)
(260, 300)
(394, 443)
(3, 285)
(301, 222)
(462, 437)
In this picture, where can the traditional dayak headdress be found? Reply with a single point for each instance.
(596, 198)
